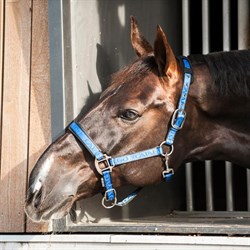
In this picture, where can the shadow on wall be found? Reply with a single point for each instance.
(115, 50)
(114, 21)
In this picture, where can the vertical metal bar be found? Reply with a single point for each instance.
(243, 43)
(226, 47)
(186, 51)
(205, 50)
(185, 28)
(189, 187)
(248, 189)
(56, 67)
(226, 24)
(67, 61)
(205, 27)
(229, 186)
(243, 24)
(209, 186)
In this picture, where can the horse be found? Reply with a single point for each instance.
(157, 113)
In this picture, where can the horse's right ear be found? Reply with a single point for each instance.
(139, 43)
(164, 56)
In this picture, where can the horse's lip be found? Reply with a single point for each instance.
(40, 215)
(34, 216)
(60, 211)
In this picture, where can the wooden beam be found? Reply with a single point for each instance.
(16, 88)
(1, 58)
(40, 121)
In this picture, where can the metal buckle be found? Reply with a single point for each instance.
(174, 118)
(105, 199)
(105, 161)
(171, 149)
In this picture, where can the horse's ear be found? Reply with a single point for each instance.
(164, 56)
(139, 43)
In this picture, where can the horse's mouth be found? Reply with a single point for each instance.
(57, 211)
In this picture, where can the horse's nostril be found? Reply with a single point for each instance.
(38, 198)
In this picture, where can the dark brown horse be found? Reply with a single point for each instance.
(134, 113)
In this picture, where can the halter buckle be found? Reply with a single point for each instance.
(178, 119)
(105, 161)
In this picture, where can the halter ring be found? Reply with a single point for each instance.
(171, 149)
(105, 199)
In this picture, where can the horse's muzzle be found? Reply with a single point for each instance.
(39, 210)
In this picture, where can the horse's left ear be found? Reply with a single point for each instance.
(139, 43)
(164, 56)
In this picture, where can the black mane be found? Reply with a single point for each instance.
(229, 70)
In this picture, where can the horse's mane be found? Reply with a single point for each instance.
(229, 70)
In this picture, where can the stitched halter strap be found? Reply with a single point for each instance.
(109, 162)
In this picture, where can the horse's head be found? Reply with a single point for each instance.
(133, 114)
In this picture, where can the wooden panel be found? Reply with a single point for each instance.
(15, 114)
(40, 126)
(1, 55)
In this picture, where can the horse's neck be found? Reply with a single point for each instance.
(221, 125)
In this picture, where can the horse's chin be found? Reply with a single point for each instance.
(55, 212)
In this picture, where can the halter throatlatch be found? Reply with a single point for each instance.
(105, 163)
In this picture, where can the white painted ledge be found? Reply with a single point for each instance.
(107, 241)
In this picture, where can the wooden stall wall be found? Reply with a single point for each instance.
(25, 128)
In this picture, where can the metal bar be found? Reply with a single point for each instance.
(186, 51)
(209, 186)
(185, 28)
(243, 24)
(229, 186)
(244, 43)
(189, 187)
(56, 67)
(226, 24)
(248, 189)
(205, 50)
(67, 62)
(226, 47)
(205, 27)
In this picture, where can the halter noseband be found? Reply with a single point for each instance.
(109, 162)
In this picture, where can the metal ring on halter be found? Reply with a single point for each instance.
(170, 151)
(104, 199)
(105, 161)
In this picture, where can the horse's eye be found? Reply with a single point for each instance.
(129, 115)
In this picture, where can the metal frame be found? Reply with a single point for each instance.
(210, 223)
(207, 222)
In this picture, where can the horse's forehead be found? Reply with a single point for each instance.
(142, 88)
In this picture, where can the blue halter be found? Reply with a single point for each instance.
(109, 162)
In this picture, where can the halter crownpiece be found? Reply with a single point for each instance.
(109, 162)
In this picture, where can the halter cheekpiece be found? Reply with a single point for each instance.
(109, 162)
